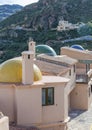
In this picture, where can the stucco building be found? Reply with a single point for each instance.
(39, 91)
(83, 88)
(29, 98)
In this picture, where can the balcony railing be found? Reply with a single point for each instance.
(81, 78)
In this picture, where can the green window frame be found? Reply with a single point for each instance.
(47, 96)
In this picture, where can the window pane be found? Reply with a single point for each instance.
(50, 100)
(43, 96)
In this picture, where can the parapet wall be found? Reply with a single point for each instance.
(4, 122)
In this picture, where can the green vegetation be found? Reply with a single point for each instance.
(46, 14)
(39, 21)
(13, 46)
(85, 30)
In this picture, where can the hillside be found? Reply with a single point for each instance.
(46, 13)
(39, 21)
(7, 10)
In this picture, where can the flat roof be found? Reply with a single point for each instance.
(77, 54)
(27, 52)
(54, 79)
(45, 80)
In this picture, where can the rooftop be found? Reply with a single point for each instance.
(75, 53)
(45, 80)
(54, 79)
(63, 60)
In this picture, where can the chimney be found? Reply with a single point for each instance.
(27, 67)
(31, 46)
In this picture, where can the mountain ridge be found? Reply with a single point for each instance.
(6, 10)
(40, 20)
(47, 13)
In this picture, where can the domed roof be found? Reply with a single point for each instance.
(79, 47)
(45, 49)
(11, 71)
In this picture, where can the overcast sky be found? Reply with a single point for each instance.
(20, 2)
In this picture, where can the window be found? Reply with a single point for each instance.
(28, 56)
(47, 96)
(74, 68)
(87, 67)
(69, 72)
(91, 88)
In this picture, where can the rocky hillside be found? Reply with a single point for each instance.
(45, 14)
(39, 20)
(7, 10)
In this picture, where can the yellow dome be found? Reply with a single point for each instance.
(11, 71)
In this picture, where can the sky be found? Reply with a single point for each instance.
(20, 2)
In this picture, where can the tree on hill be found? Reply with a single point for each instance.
(85, 30)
